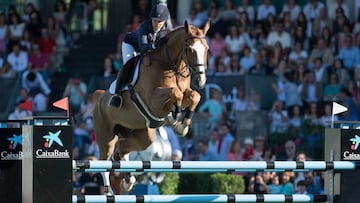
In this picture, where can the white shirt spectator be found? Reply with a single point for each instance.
(264, 11)
(235, 45)
(312, 11)
(332, 10)
(38, 82)
(19, 61)
(298, 57)
(283, 38)
(249, 10)
(294, 12)
(39, 103)
(17, 30)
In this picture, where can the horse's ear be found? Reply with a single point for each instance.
(207, 26)
(186, 26)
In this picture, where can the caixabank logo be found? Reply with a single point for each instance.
(53, 147)
(13, 149)
(351, 146)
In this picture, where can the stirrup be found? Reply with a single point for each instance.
(115, 101)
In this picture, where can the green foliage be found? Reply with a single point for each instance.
(205, 183)
(170, 184)
(228, 183)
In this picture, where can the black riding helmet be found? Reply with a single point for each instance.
(159, 12)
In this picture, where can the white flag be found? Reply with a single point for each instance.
(338, 108)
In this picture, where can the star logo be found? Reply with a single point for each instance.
(355, 142)
(51, 138)
(14, 141)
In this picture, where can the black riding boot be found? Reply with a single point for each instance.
(116, 99)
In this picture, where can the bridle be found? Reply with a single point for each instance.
(190, 65)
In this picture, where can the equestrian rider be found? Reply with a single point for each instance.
(145, 39)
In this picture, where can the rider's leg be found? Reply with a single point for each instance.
(128, 52)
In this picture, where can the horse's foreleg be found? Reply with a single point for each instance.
(106, 150)
(128, 182)
(190, 101)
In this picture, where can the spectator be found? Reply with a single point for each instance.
(288, 183)
(350, 55)
(258, 185)
(268, 154)
(81, 136)
(275, 187)
(312, 9)
(327, 118)
(76, 90)
(301, 187)
(312, 113)
(352, 114)
(311, 90)
(91, 183)
(278, 118)
(295, 117)
(340, 71)
(204, 154)
(38, 62)
(239, 104)
(26, 42)
(328, 37)
(35, 25)
(188, 148)
(40, 101)
(320, 23)
(229, 12)
(288, 25)
(299, 176)
(32, 80)
(213, 108)
(312, 183)
(225, 139)
(265, 9)
(214, 141)
(16, 30)
(109, 68)
(259, 68)
(29, 8)
(249, 9)
(6, 72)
(201, 13)
(336, 4)
(176, 152)
(332, 89)
(247, 61)
(320, 71)
(292, 8)
(234, 42)
(291, 90)
(235, 152)
(18, 59)
(4, 33)
(234, 66)
(86, 110)
(47, 43)
(298, 55)
(340, 20)
(19, 113)
(323, 52)
(217, 44)
(259, 148)
(249, 152)
(290, 151)
(279, 35)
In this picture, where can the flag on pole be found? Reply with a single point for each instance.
(26, 105)
(63, 104)
(338, 108)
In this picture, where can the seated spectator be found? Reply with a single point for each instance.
(295, 117)
(340, 20)
(332, 89)
(298, 55)
(259, 148)
(234, 66)
(323, 52)
(288, 183)
(312, 183)
(290, 151)
(259, 68)
(40, 101)
(247, 61)
(268, 154)
(336, 4)
(293, 8)
(109, 68)
(214, 141)
(76, 90)
(235, 152)
(216, 45)
(26, 42)
(35, 25)
(38, 62)
(240, 103)
(312, 9)
(340, 71)
(265, 9)
(6, 72)
(312, 113)
(19, 113)
(311, 90)
(32, 80)
(320, 23)
(47, 43)
(16, 30)
(279, 35)
(18, 59)
(278, 118)
(275, 187)
(327, 118)
(301, 187)
(248, 8)
(176, 152)
(291, 90)
(229, 12)
(352, 114)
(321, 71)
(203, 151)
(258, 185)
(213, 108)
(350, 54)
(225, 140)
(248, 153)
(234, 42)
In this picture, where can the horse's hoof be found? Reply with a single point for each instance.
(127, 186)
(181, 129)
(115, 101)
(108, 190)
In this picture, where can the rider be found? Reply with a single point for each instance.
(145, 39)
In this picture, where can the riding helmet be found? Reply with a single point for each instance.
(159, 12)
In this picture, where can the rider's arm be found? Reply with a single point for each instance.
(144, 44)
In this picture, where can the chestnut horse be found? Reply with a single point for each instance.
(161, 93)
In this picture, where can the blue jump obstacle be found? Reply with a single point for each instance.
(210, 166)
(213, 198)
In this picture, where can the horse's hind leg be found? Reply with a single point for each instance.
(190, 101)
(128, 182)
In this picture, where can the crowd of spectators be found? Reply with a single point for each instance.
(312, 50)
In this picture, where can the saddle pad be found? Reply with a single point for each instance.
(133, 81)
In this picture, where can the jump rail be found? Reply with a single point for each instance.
(214, 198)
(210, 166)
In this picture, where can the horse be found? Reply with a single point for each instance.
(161, 94)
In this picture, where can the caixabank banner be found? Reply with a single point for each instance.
(350, 144)
(10, 164)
